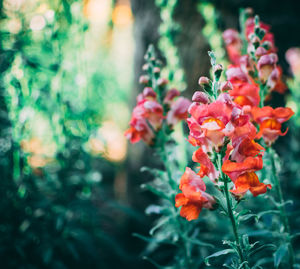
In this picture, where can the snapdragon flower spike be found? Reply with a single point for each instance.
(154, 105)
(193, 197)
(261, 59)
(270, 121)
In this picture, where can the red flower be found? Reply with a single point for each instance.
(250, 25)
(245, 94)
(209, 123)
(233, 45)
(243, 176)
(265, 65)
(193, 197)
(249, 181)
(270, 121)
(207, 168)
(178, 111)
(138, 130)
(235, 169)
(243, 149)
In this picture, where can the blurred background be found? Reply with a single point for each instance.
(69, 181)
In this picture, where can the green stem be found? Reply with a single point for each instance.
(233, 222)
(230, 214)
(281, 207)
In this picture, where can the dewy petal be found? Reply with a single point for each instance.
(171, 94)
(191, 178)
(180, 200)
(249, 181)
(193, 197)
(234, 169)
(199, 156)
(190, 211)
(178, 111)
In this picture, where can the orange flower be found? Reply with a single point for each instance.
(193, 197)
(138, 130)
(233, 45)
(270, 121)
(243, 176)
(207, 168)
(249, 181)
(243, 149)
(235, 169)
(245, 94)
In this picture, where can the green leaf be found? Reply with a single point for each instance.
(156, 264)
(279, 254)
(198, 242)
(254, 251)
(259, 215)
(242, 264)
(152, 239)
(217, 254)
(155, 191)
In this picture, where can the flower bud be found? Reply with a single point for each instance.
(162, 82)
(171, 94)
(203, 81)
(200, 97)
(266, 64)
(144, 79)
(149, 92)
(218, 68)
(267, 45)
(226, 86)
(254, 40)
(145, 67)
(156, 70)
(260, 51)
(230, 36)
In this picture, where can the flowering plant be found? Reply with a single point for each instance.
(232, 132)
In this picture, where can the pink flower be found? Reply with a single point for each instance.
(178, 111)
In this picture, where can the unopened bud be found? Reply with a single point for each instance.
(145, 67)
(143, 79)
(218, 68)
(254, 40)
(171, 94)
(162, 82)
(203, 81)
(267, 45)
(226, 86)
(200, 97)
(149, 92)
(260, 51)
(156, 70)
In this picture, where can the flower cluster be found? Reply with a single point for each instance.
(223, 132)
(259, 59)
(254, 74)
(153, 107)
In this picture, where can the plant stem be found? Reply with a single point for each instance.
(233, 222)
(281, 207)
(230, 213)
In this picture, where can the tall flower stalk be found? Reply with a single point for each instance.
(223, 135)
(157, 112)
(259, 67)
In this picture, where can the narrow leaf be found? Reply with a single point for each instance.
(217, 254)
(279, 254)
